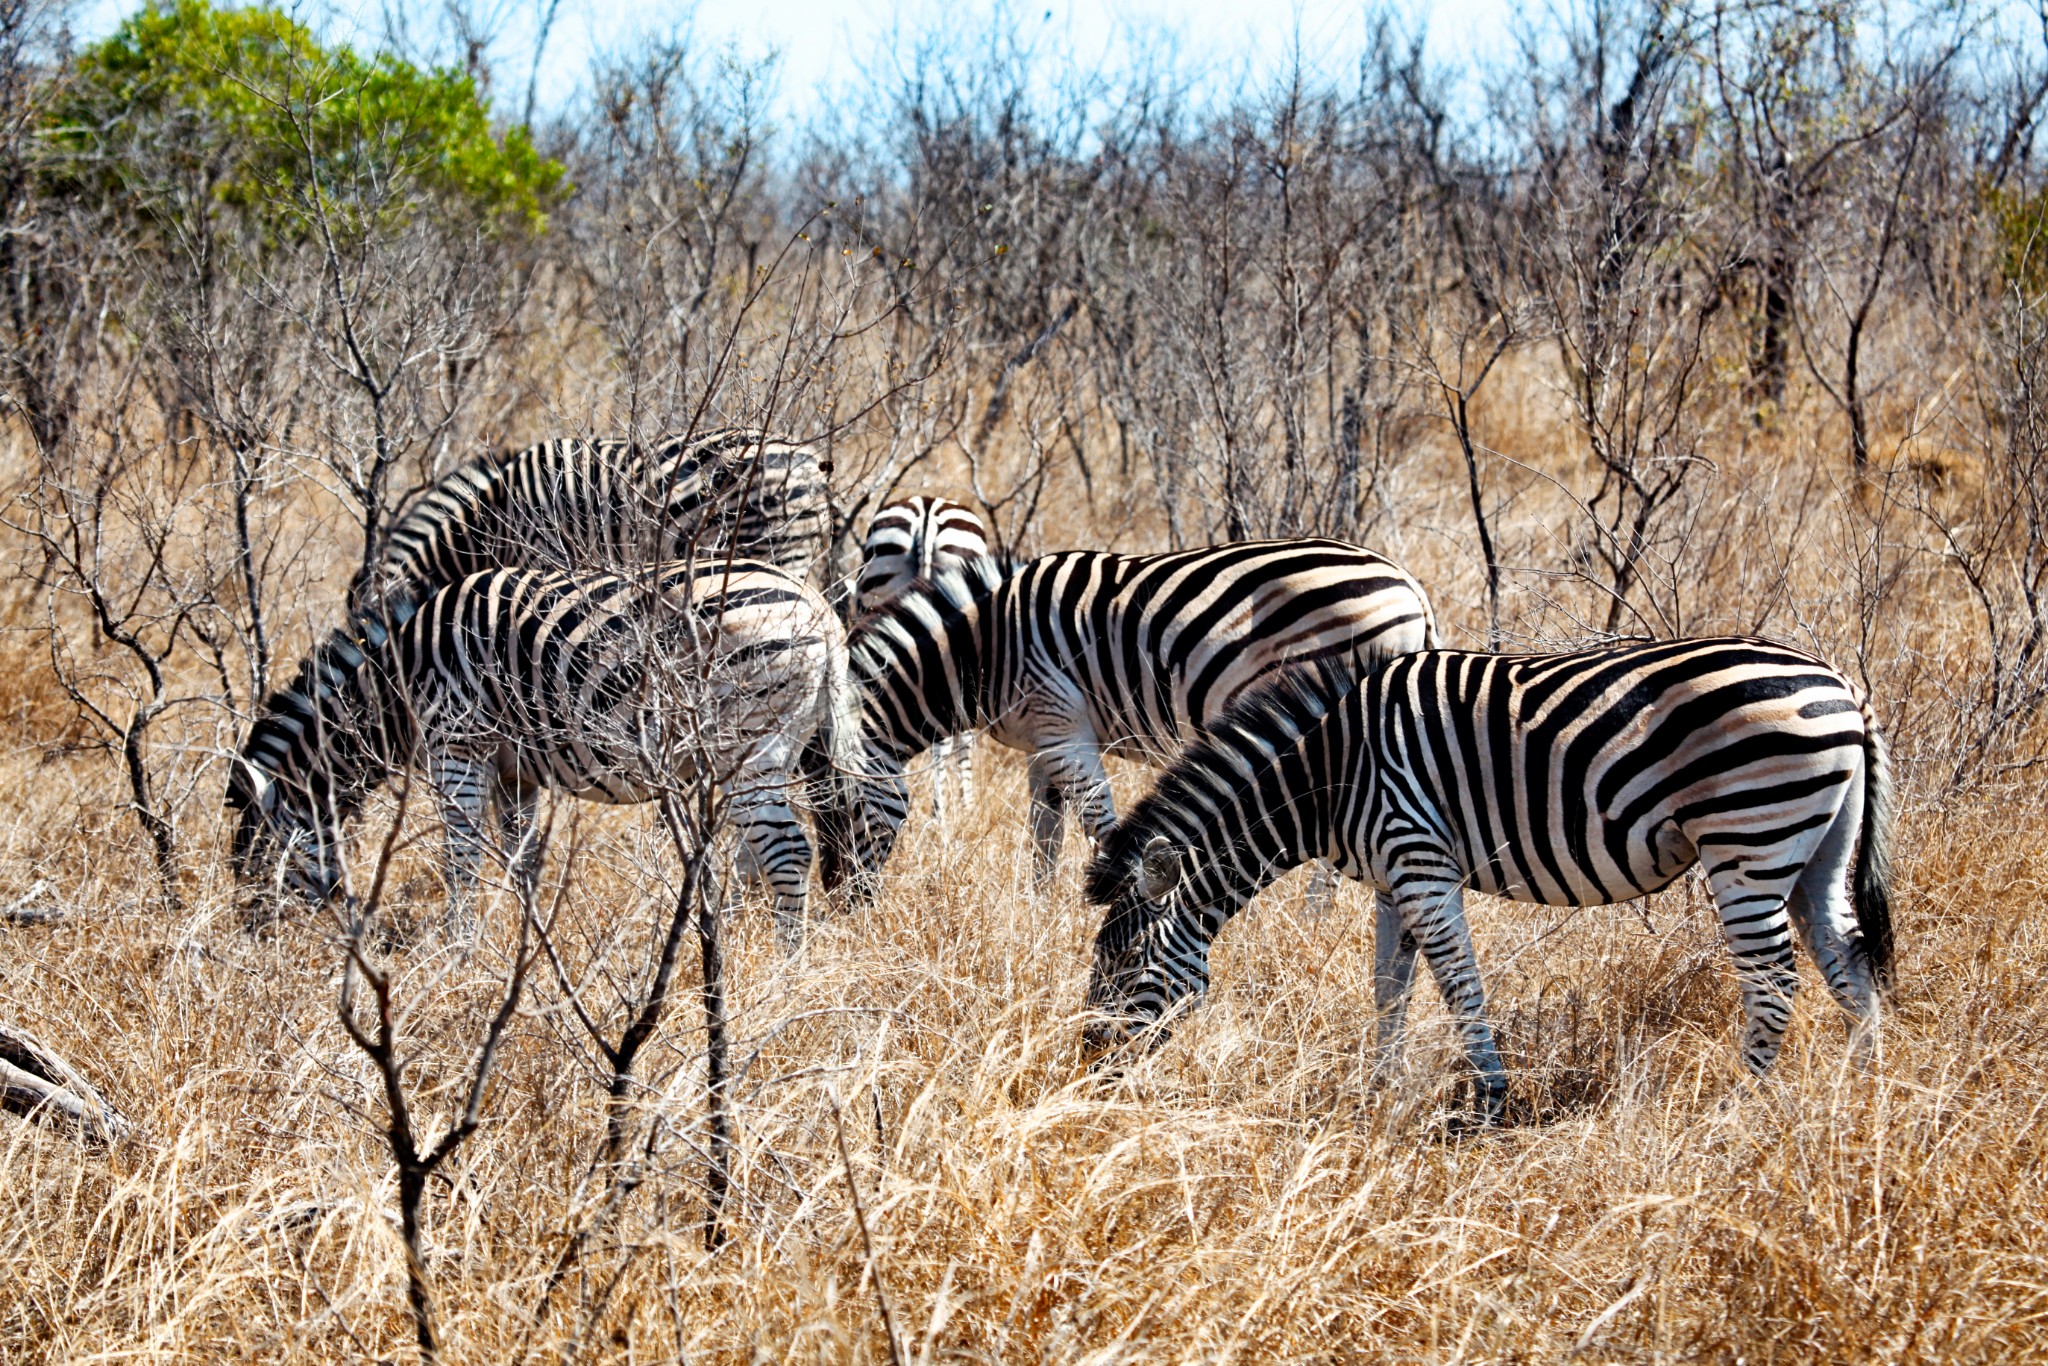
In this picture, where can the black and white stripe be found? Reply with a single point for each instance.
(910, 541)
(608, 506)
(616, 689)
(914, 538)
(1084, 653)
(1568, 780)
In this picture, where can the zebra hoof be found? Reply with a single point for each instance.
(790, 934)
(1488, 1112)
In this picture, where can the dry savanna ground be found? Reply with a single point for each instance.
(924, 1169)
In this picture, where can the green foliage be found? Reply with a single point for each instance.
(245, 108)
(2023, 240)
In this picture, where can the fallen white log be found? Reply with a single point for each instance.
(37, 1084)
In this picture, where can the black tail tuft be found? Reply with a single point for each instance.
(1872, 892)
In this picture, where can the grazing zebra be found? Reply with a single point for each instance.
(1565, 779)
(610, 688)
(910, 541)
(606, 506)
(1083, 652)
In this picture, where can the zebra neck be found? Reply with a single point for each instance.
(1287, 816)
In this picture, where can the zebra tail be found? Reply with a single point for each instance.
(1873, 892)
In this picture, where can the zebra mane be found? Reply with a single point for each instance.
(1236, 749)
(290, 712)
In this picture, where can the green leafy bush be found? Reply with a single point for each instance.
(247, 108)
(2023, 240)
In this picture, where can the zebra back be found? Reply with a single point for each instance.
(1157, 646)
(607, 506)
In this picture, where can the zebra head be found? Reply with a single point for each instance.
(1139, 878)
(285, 841)
(1242, 805)
(303, 772)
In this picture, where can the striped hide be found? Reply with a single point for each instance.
(1567, 780)
(910, 541)
(607, 506)
(513, 681)
(1084, 653)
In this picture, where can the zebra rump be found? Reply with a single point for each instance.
(607, 506)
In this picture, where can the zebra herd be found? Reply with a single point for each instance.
(631, 625)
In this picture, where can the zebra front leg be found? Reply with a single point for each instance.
(952, 771)
(462, 784)
(963, 767)
(1393, 976)
(1432, 911)
(1321, 891)
(516, 804)
(942, 756)
(1048, 816)
(1073, 772)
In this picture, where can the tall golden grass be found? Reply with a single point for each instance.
(1242, 1195)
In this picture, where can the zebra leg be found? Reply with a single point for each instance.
(963, 767)
(1072, 772)
(1826, 919)
(1432, 910)
(774, 840)
(1321, 891)
(753, 876)
(1393, 975)
(516, 804)
(952, 771)
(1758, 928)
(462, 784)
(1048, 816)
(942, 754)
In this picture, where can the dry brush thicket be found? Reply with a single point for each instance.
(1691, 320)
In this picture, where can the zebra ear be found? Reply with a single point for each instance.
(1159, 868)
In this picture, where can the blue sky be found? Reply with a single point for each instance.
(823, 43)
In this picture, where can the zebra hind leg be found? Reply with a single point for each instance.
(1393, 977)
(1758, 928)
(463, 785)
(777, 849)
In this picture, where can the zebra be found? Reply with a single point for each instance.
(1572, 779)
(912, 540)
(614, 688)
(1085, 652)
(606, 506)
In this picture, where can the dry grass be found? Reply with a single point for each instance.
(1242, 1195)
